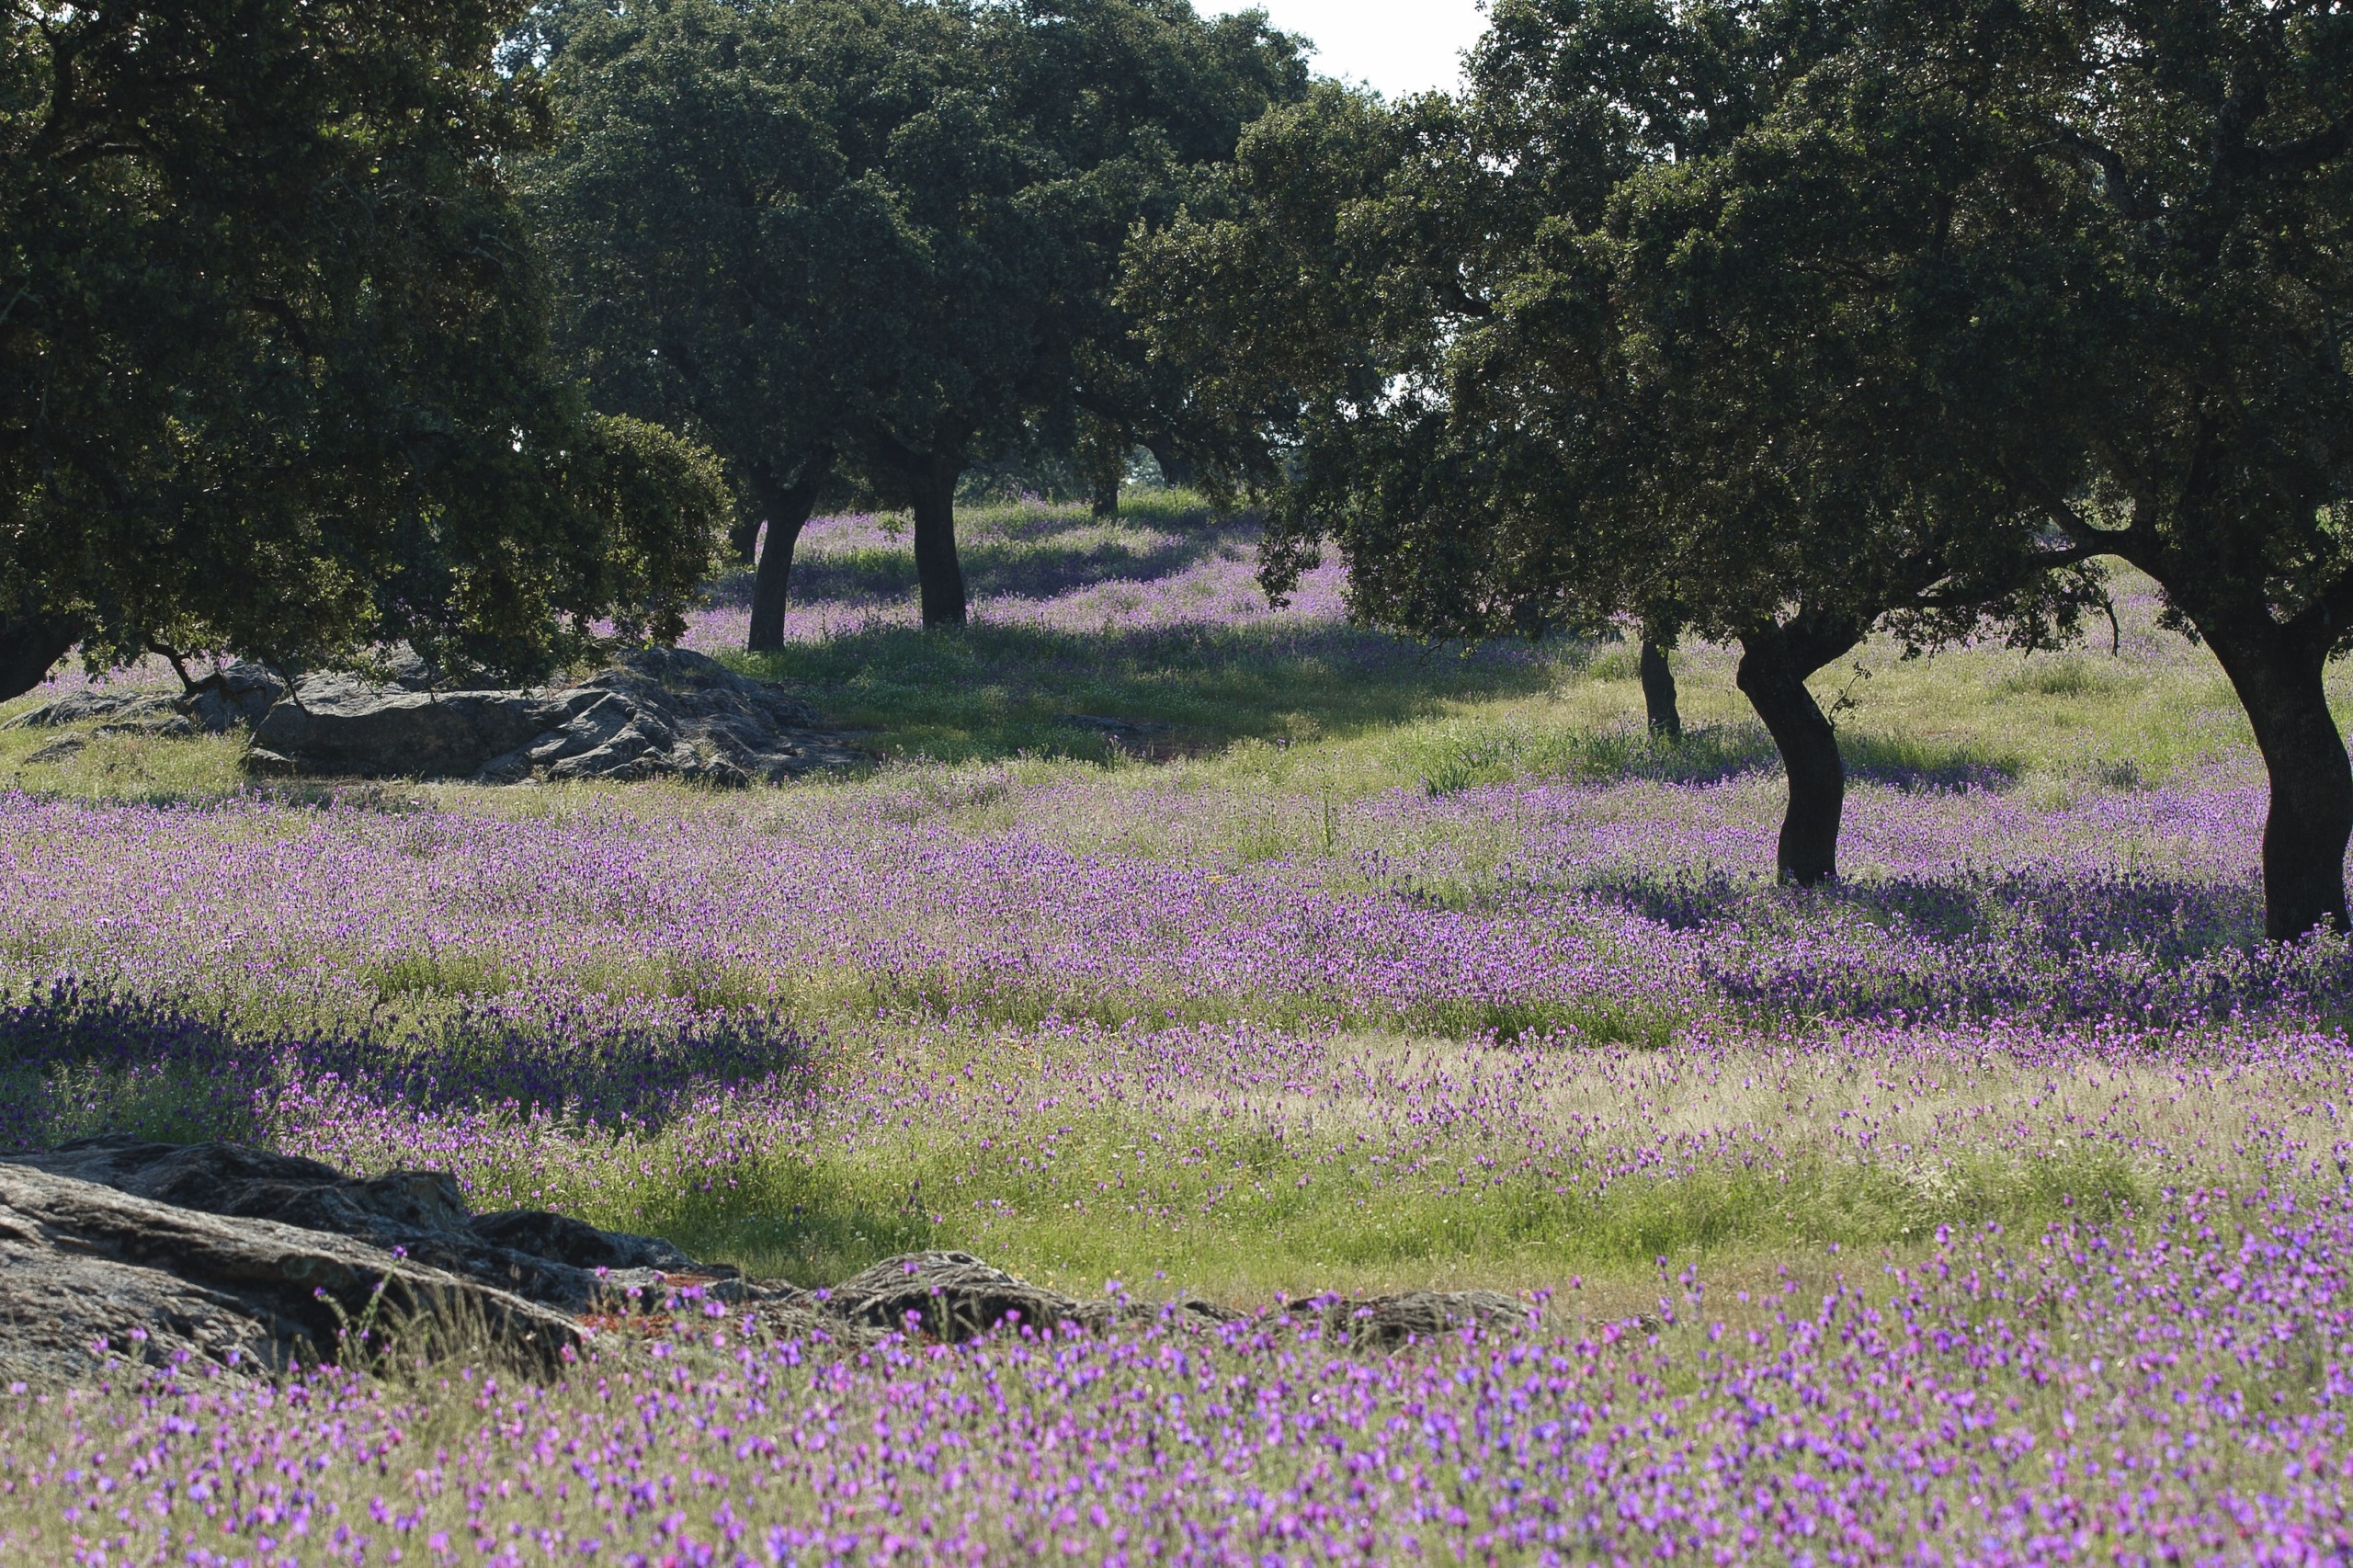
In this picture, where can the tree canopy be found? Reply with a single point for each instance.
(2109, 244)
(878, 232)
(273, 369)
(1487, 347)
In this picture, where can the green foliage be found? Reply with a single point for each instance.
(272, 369)
(829, 231)
(1484, 346)
(2093, 258)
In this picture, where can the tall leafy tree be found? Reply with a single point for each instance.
(1462, 339)
(879, 230)
(272, 365)
(2112, 241)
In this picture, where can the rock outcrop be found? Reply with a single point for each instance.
(235, 695)
(88, 1272)
(118, 1247)
(654, 713)
(1416, 1314)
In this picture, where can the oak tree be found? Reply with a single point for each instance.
(273, 371)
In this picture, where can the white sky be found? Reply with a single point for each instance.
(1398, 46)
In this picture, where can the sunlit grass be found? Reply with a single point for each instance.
(1273, 733)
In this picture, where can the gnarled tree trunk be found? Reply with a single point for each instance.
(1658, 692)
(930, 477)
(1774, 662)
(29, 649)
(1176, 467)
(2276, 671)
(940, 576)
(785, 508)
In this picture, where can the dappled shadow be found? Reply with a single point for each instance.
(2167, 916)
(1038, 556)
(995, 690)
(75, 1062)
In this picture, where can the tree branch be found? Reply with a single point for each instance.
(2305, 154)
(2115, 174)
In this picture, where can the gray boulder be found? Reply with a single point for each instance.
(114, 1246)
(233, 697)
(237, 697)
(548, 1259)
(107, 704)
(89, 1273)
(339, 724)
(953, 1296)
(1419, 1314)
(654, 713)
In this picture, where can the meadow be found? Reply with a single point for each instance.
(1991, 1205)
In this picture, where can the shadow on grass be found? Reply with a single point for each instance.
(2169, 918)
(74, 1062)
(1047, 568)
(1462, 756)
(990, 692)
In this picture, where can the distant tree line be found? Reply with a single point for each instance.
(327, 324)
(877, 239)
(1784, 322)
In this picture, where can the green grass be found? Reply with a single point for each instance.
(1272, 731)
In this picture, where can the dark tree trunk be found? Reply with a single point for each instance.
(1658, 692)
(786, 510)
(29, 649)
(1174, 467)
(1107, 500)
(745, 534)
(938, 575)
(1774, 664)
(2278, 675)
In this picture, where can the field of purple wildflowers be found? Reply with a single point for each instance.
(1991, 1206)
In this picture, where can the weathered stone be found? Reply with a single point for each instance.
(563, 1239)
(239, 694)
(97, 703)
(336, 723)
(546, 1258)
(246, 1258)
(656, 713)
(953, 1296)
(88, 1270)
(1421, 1314)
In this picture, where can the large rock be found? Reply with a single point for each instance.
(953, 1296)
(88, 1272)
(1419, 1314)
(546, 1258)
(656, 713)
(105, 704)
(114, 1246)
(236, 695)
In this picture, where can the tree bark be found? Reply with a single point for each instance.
(1107, 500)
(1176, 469)
(2277, 674)
(1774, 662)
(744, 535)
(1658, 692)
(940, 576)
(29, 649)
(786, 510)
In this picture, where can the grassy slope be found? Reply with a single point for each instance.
(1275, 718)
